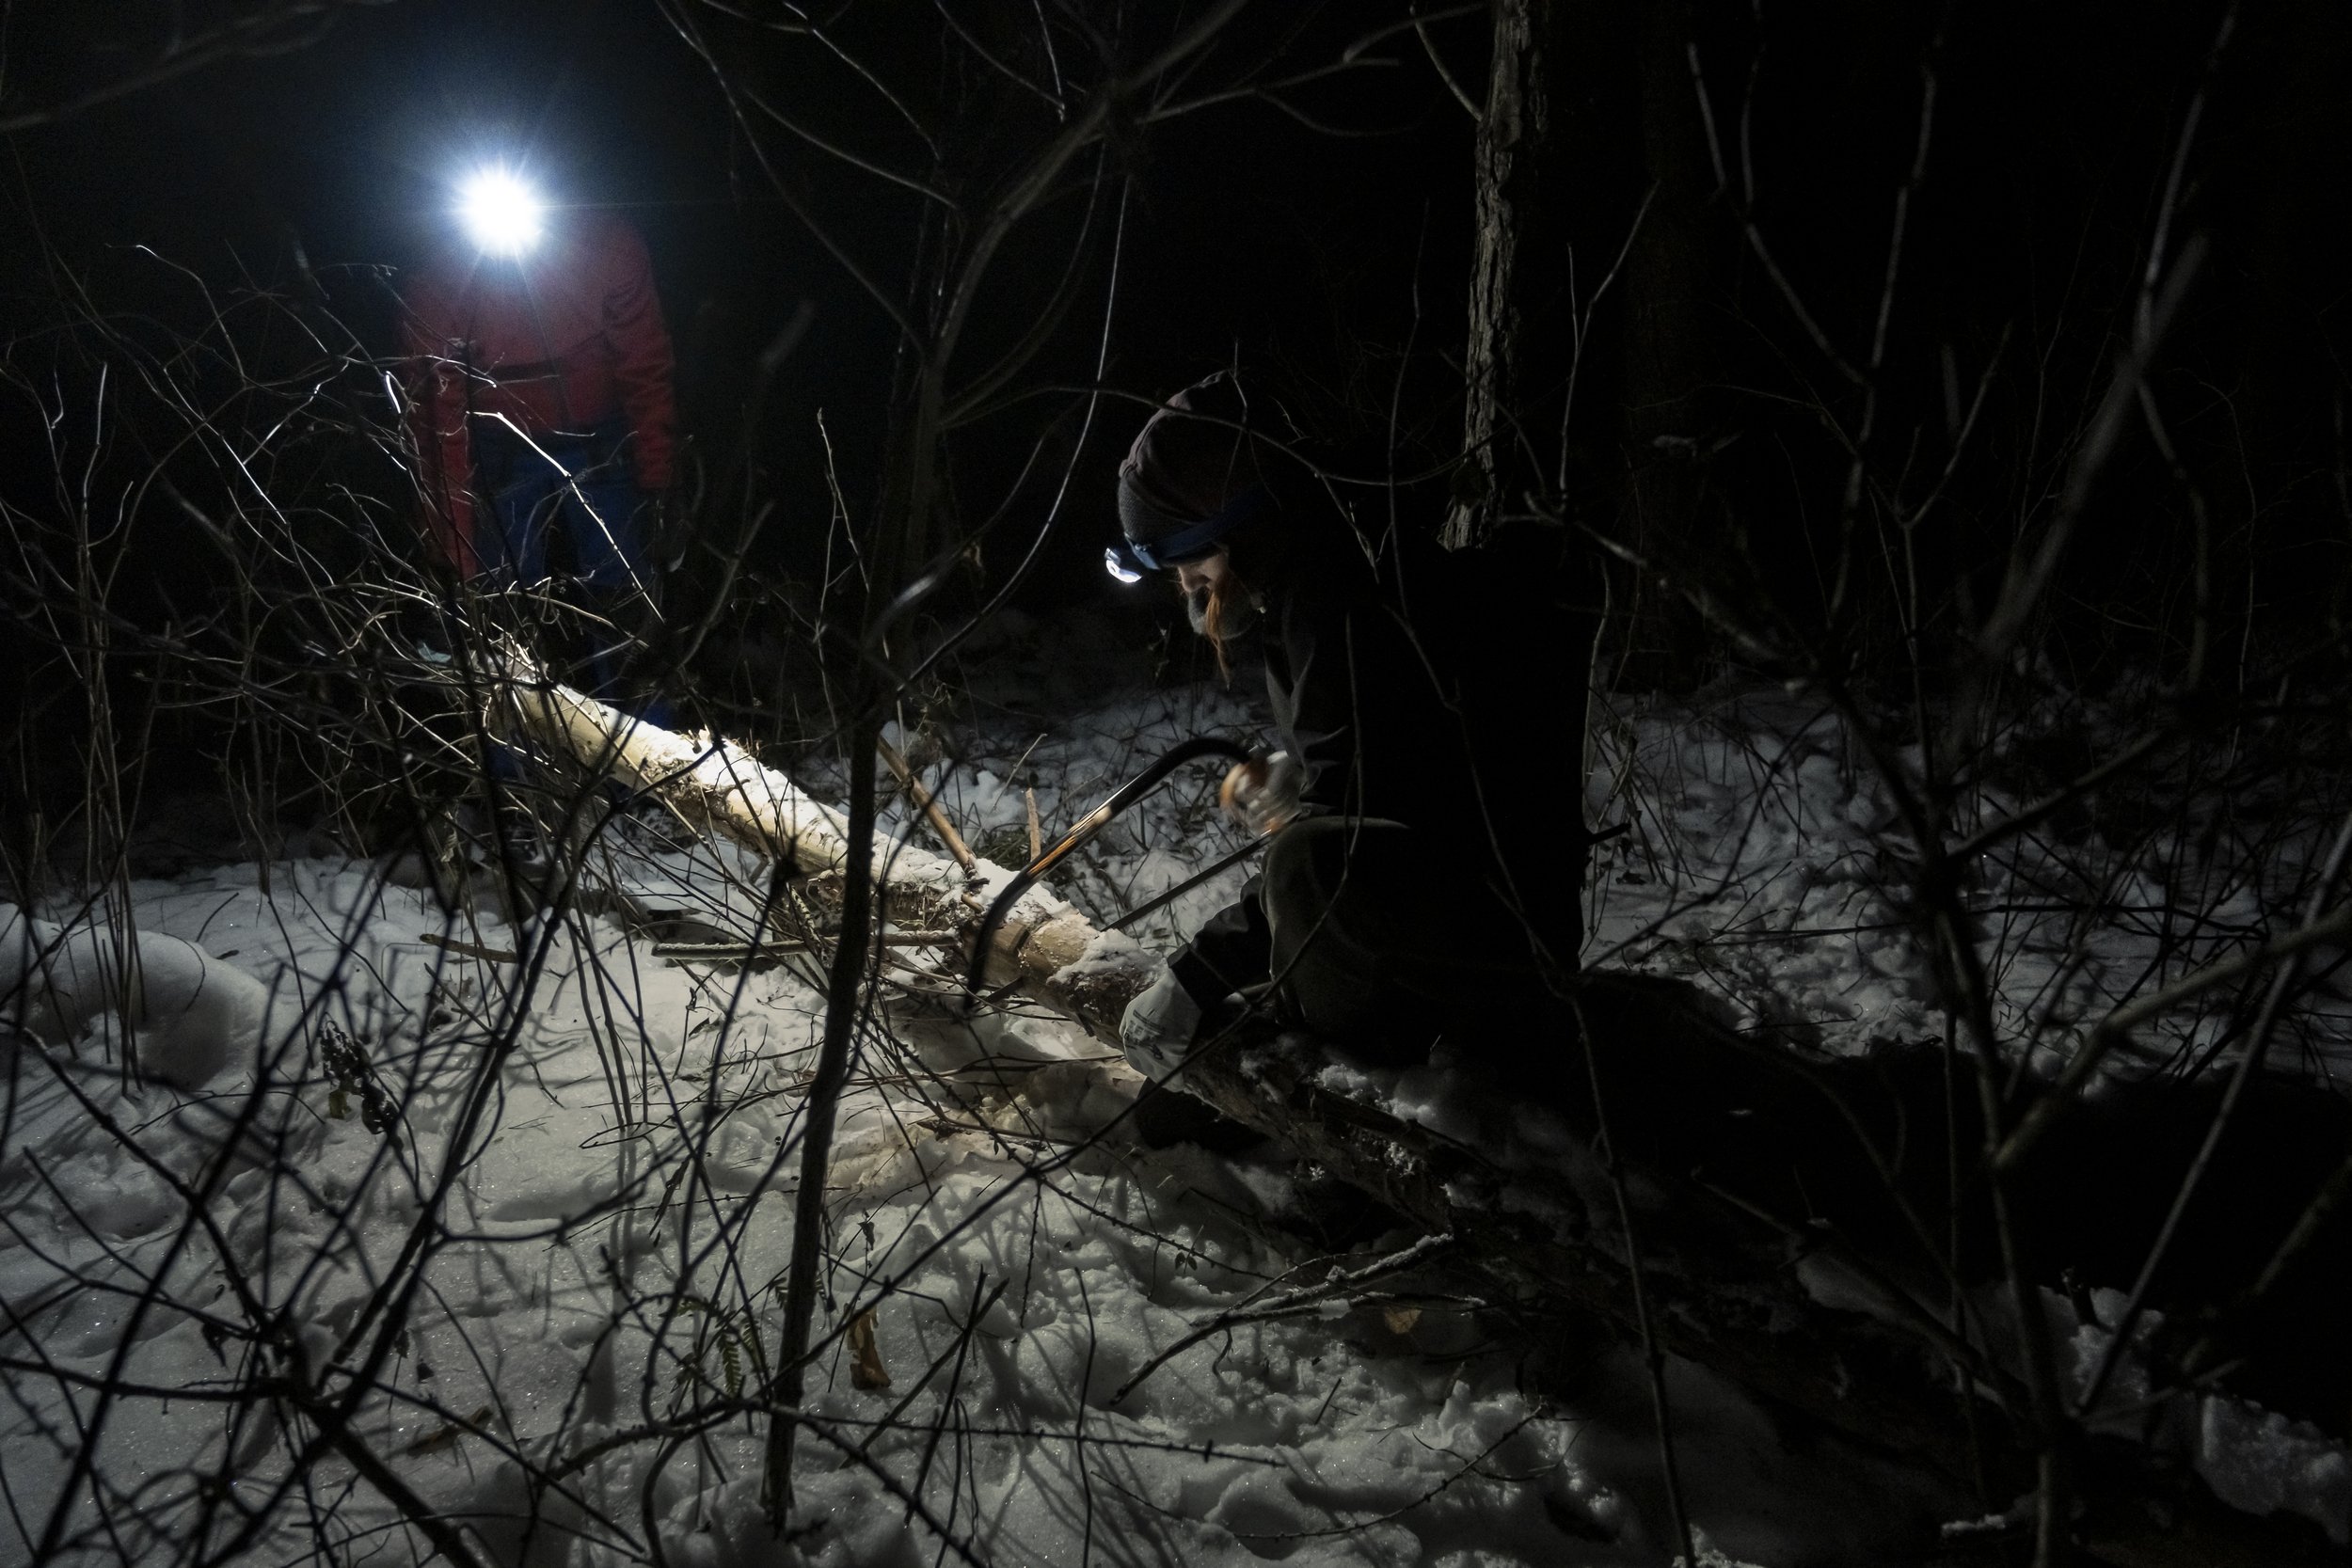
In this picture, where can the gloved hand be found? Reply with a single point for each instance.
(1157, 1030)
(1263, 794)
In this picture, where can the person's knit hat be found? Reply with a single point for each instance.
(1190, 478)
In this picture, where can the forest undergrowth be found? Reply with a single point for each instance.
(543, 1127)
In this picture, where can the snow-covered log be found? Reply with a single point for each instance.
(715, 785)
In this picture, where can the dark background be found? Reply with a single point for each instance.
(1248, 232)
(1332, 260)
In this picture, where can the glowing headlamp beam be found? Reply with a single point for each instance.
(505, 216)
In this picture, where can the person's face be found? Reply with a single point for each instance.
(1201, 576)
(1210, 587)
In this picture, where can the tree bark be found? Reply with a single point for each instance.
(1590, 148)
(1515, 269)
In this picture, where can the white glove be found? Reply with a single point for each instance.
(1263, 793)
(1156, 1029)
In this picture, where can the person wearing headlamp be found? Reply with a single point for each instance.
(540, 375)
(1403, 896)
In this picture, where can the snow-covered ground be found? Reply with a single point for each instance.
(565, 1164)
(1765, 860)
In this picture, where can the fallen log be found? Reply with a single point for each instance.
(1811, 1324)
(715, 785)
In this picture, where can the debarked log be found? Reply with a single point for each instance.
(1731, 1287)
(714, 785)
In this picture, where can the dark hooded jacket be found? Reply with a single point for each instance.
(1421, 687)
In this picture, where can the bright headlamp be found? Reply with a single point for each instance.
(1130, 559)
(503, 216)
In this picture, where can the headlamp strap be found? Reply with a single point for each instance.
(1190, 543)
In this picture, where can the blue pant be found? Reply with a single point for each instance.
(587, 484)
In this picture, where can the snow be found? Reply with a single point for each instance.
(2265, 1463)
(1301, 1437)
(188, 1017)
(612, 1141)
(1757, 861)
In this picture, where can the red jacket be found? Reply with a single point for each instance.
(565, 338)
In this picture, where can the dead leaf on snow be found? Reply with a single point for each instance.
(866, 1370)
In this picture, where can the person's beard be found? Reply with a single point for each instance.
(1219, 612)
(1219, 609)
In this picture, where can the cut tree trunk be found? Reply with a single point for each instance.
(1788, 1314)
(716, 787)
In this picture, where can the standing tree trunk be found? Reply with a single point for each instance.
(1549, 192)
(1516, 275)
(1586, 360)
(902, 531)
